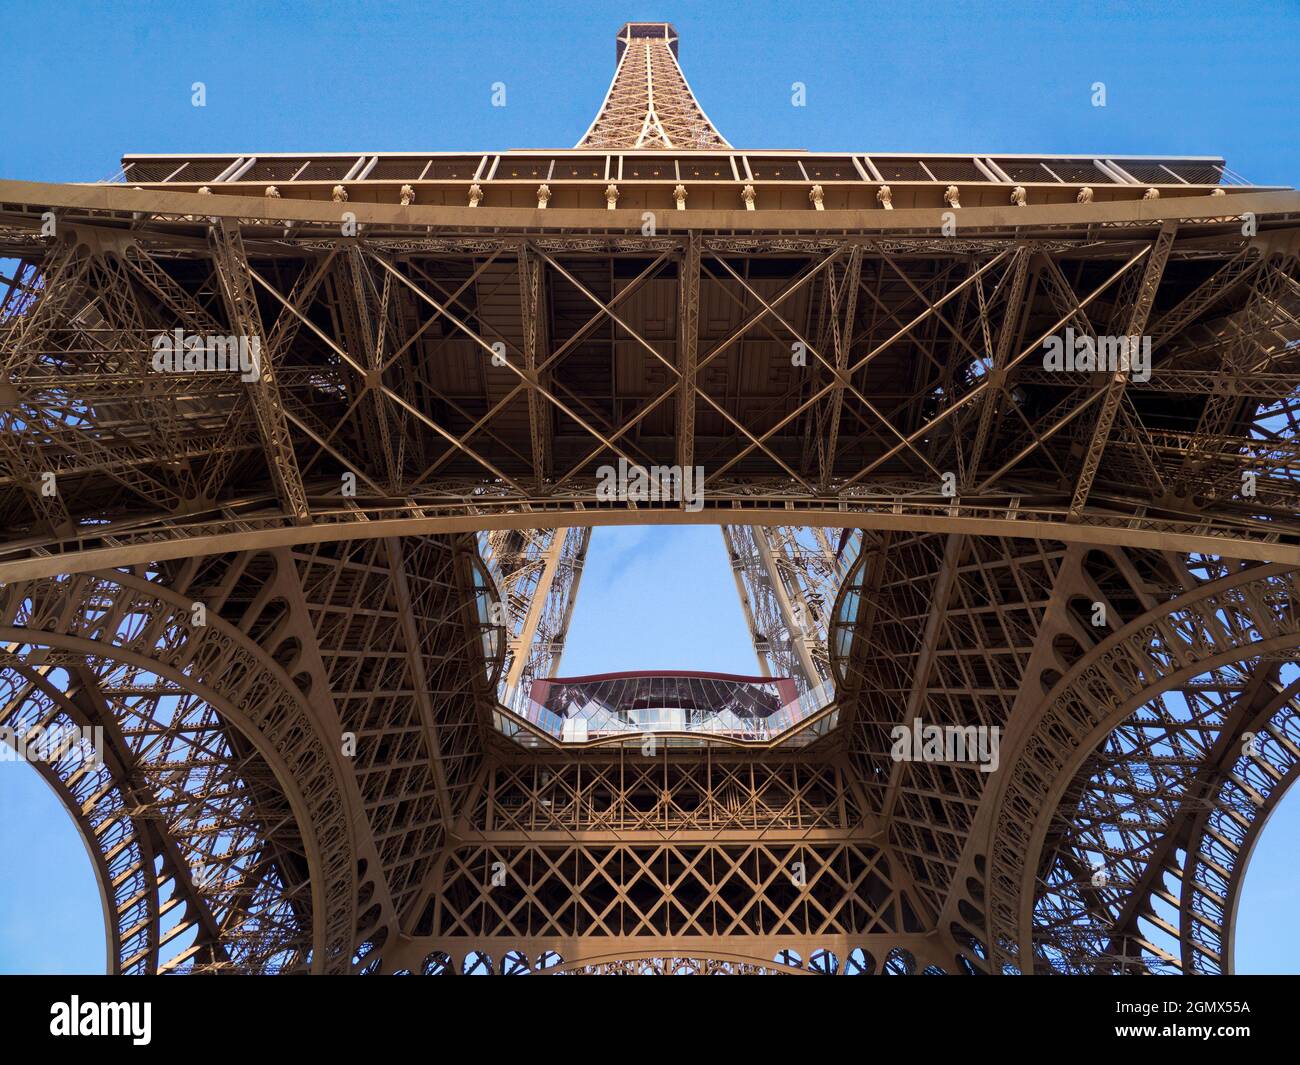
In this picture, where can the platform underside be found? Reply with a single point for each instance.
(473, 369)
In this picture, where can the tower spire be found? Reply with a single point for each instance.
(649, 103)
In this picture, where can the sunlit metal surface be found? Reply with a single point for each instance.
(310, 606)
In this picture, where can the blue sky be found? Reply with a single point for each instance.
(673, 588)
(86, 83)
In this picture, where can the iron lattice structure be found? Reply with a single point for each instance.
(292, 597)
(787, 579)
(536, 572)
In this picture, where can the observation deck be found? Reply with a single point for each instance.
(681, 707)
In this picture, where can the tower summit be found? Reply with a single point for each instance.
(649, 103)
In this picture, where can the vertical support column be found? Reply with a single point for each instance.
(532, 305)
(1137, 323)
(359, 329)
(798, 633)
(785, 588)
(557, 638)
(235, 282)
(688, 336)
(998, 372)
(845, 300)
(734, 551)
(541, 593)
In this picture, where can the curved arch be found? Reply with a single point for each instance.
(1159, 651)
(218, 536)
(1219, 831)
(1165, 865)
(221, 666)
(89, 651)
(56, 778)
(95, 799)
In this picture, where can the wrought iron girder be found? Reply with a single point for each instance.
(236, 285)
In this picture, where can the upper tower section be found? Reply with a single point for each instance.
(649, 103)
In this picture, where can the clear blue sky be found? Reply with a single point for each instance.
(85, 83)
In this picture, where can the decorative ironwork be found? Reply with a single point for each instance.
(297, 592)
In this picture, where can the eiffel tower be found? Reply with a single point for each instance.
(301, 455)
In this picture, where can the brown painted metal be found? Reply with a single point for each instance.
(389, 520)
